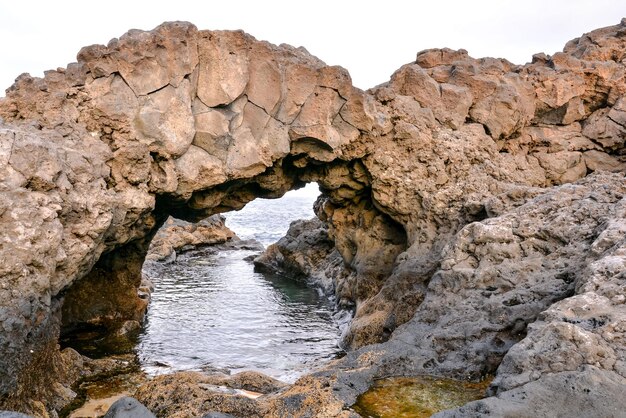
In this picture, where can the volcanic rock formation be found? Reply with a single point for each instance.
(444, 191)
(176, 236)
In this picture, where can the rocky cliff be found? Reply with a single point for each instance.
(446, 192)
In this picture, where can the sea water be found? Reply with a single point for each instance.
(210, 310)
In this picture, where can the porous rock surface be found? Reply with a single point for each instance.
(307, 253)
(176, 236)
(184, 394)
(445, 191)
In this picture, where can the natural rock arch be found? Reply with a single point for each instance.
(190, 123)
(173, 121)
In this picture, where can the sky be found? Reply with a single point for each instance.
(370, 39)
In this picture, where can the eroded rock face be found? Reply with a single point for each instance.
(497, 276)
(176, 235)
(533, 296)
(429, 182)
(184, 394)
(306, 252)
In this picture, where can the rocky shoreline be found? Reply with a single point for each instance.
(472, 216)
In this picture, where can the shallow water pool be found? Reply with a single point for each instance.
(416, 397)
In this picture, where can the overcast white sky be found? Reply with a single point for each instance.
(370, 39)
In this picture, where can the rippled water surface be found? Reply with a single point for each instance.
(267, 220)
(211, 310)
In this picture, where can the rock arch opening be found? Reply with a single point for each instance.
(268, 220)
(212, 310)
(111, 298)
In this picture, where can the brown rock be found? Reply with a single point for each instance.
(433, 57)
(223, 67)
(165, 121)
(600, 161)
(176, 57)
(186, 394)
(174, 235)
(603, 127)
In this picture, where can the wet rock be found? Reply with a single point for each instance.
(184, 394)
(63, 396)
(249, 380)
(241, 244)
(128, 407)
(104, 381)
(108, 297)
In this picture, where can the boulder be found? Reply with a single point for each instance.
(176, 236)
(128, 407)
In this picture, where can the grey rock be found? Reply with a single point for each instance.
(502, 274)
(305, 252)
(242, 244)
(587, 393)
(128, 407)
